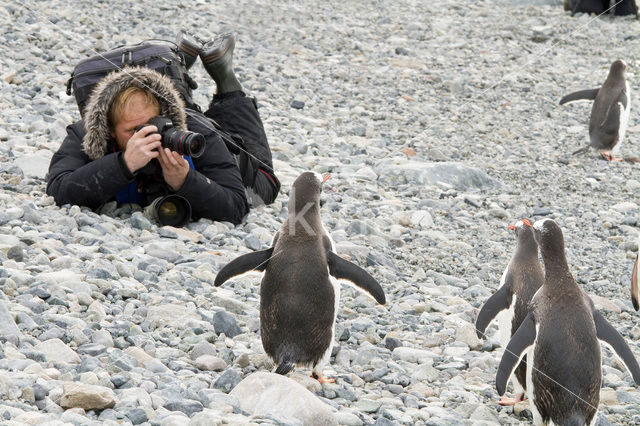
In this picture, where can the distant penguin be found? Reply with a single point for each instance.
(561, 335)
(298, 299)
(635, 296)
(521, 279)
(624, 7)
(609, 113)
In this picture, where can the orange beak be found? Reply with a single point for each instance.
(526, 222)
(326, 178)
(512, 227)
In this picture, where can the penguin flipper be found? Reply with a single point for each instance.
(609, 335)
(343, 269)
(622, 99)
(499, 301)
(515, 351)
(580, 95)
(257, 261)
(635, 294)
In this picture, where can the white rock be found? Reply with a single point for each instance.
(172, 314)
(136, 396)
(97, 311)
(35, 165)
(60, 276)
(206, 417)
(210, 363)
(625, 206)
(175, 420)
(139, 354)
(276, 396)
(421, 219)
(466, 333)
(418, 356)
(57, 351)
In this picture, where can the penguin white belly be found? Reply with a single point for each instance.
(505, 317)
(537, 417)
(624, 120)
(505, 323)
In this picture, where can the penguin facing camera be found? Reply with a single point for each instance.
(520, 280)
(299, 292)
(561, 335)
(609, 113)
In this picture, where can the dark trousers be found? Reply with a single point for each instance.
(237, 114)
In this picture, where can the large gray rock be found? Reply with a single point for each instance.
(458, 175)
(35, 165)
(278, 397)
(57, 351)
(171, 314)
(87, 397)
(8, 327)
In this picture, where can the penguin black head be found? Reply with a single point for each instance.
(618, 67)
(526, 242)
(306, 189)
(522, 227)
(549, 237)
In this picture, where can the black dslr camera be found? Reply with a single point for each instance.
(183, 142)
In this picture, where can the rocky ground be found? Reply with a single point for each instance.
(440, 124)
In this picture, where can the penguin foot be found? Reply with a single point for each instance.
(504, 401)
(609, 157)
(321, 378)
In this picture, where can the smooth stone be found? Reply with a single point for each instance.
(57, 351)
(466, 333)
(418, 356)
(347, 419)
(137, 416)
(187, 406)
(172, 314)
(210, 363)
(367, 405)
(203, 348)
(457, 175)
(8, 327)
(87, 397)
(224, 322)
(275, 396)
(227, 381)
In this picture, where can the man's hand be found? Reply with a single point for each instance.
(174, 168)
(141, 148)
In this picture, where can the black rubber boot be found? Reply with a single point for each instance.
(190, 46)
(217, 58)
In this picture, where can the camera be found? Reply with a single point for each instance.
(172, 210)
(183, 142)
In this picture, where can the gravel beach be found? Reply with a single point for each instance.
(440, 125)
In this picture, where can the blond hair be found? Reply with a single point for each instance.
(123, 99)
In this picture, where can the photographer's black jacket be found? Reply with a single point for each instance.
(86, 170)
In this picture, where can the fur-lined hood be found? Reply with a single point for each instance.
(96, 122)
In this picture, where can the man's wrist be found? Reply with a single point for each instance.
(123, 166)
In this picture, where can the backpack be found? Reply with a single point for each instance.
(159, 55)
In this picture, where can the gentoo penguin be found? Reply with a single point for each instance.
(561, 333)
(635, 296)
(298, 299)
(621, 7)
(521, 279)
(609, 113)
